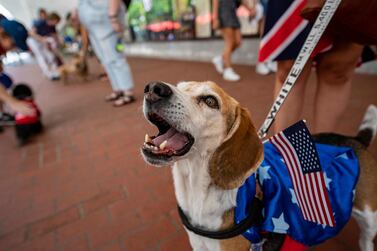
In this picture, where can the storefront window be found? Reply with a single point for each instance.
(158, 20)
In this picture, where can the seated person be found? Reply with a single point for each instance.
(43, 42)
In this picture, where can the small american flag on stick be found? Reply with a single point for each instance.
(296, 146)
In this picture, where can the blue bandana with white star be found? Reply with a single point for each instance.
(281, 210)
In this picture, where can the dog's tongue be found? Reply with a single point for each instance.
(175, 140)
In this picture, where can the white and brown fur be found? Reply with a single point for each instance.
(226, 151)
(77, 65)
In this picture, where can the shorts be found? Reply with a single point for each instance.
(228, 14)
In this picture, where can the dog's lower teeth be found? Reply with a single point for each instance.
(163, 145)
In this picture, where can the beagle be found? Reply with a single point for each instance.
(213, 146)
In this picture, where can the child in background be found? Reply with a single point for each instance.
(26, 125)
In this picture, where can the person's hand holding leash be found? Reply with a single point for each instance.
(117, 26)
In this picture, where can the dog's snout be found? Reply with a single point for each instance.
(156, 91)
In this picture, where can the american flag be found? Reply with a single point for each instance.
(296, 146)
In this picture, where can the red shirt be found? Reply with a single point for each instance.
(28, 119)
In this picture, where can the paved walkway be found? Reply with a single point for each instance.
(205, 50)
(82, 185)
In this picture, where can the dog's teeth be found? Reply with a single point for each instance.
(155, 148)
(147, 139)
(163, 145)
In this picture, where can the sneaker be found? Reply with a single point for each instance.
(262, 69)
(55, 78)
(230, 75)
(218, 63)
(7, 120)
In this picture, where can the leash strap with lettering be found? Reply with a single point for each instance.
(314, 36)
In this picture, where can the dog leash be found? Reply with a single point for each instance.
(254, 218)
(311, 41)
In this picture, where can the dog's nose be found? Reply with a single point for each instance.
(156, 91)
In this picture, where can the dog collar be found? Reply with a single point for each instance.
(254, 217)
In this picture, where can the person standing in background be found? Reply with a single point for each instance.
(335, 61)
(263, 68)
(225, 18)
(104, 21)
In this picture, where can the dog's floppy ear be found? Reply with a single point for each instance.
(239, 155)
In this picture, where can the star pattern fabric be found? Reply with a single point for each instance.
(280, 226)
(327, 180)
(343, 156)
(263, 173)
(293, 195)
(281, 210)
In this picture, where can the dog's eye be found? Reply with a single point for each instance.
(211, 101)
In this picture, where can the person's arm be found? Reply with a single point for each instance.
(15, 104)
(251, 9)
(215, 14)
(114, 7)
(33, 34)
(85, 42)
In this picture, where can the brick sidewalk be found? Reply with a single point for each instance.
(83, 185)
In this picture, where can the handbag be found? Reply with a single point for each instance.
(354, 20)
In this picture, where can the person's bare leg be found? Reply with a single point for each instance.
(335, 70)
(237, 39)
(228, 36)
(291, 110)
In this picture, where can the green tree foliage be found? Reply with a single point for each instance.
(136, 13)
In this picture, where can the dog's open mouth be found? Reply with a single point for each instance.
(168, 142)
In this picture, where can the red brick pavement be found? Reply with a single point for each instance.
(82, 185)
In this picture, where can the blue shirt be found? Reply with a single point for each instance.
(43, 28)
(281, 211)
(5, 80)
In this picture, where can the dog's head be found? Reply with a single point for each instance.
(199, 120)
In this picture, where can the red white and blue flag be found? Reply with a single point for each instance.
(300, 155)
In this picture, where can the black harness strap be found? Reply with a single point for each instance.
(254, 217)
